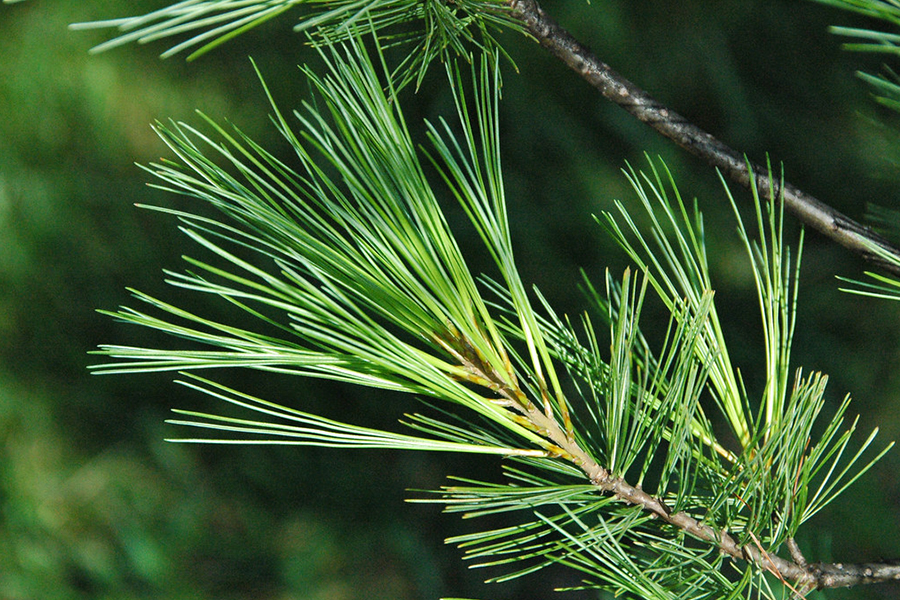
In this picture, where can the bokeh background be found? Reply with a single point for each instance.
(93, 502)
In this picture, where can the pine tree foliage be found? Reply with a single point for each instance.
(886, 91)
(342, 265)
(641, 460)
(430, 30)
(886, 85)
(879, 285)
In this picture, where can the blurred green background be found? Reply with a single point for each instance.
(93, 502)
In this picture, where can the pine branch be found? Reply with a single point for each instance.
(811, 211)
(359, 279)
(791, 420)
(446, 30)
(803, 576)
(795, 572)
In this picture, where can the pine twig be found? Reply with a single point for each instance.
(804, 576)
(733, 165)
(796, 573)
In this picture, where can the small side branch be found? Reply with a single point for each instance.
(733, 165)
(796, 554)
(795, 573)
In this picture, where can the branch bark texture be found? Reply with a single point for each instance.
(732, 164)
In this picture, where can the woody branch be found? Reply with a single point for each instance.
(732, 164)
(798, 572)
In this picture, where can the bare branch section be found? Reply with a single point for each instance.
(733, 165)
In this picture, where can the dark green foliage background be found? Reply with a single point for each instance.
(93, 502)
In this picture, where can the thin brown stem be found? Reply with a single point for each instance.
(559, 442)
(732, 164)
(803, 576)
